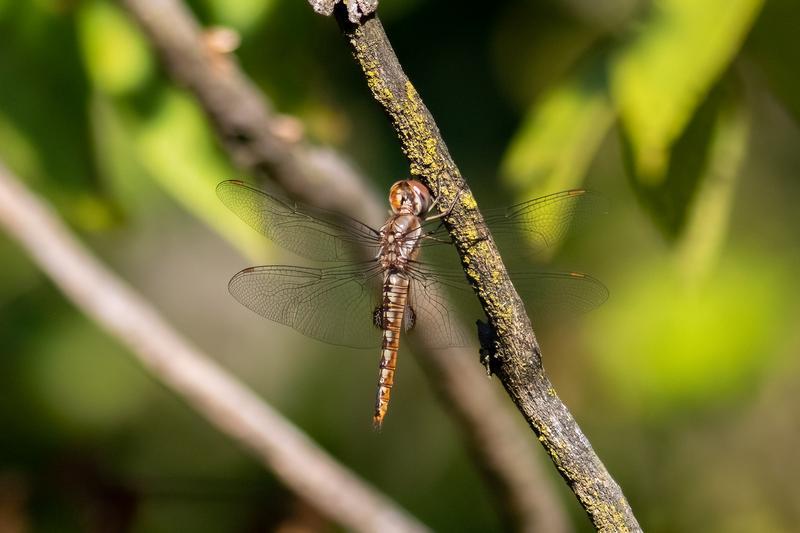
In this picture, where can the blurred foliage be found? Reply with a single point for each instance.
(684, 114)
(685, 355)
(660, 77)
(773, 46)
(558, 140)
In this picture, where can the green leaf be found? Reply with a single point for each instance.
(177, 148)
(48, 116)
(561, 134)
(691, 204)
(671, 347)
(19, 153)
(669, 199)
(116, 57)
(709, 217)
(774, 47)
(243, 15)
(663, 74)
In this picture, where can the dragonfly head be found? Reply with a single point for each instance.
(410, 196)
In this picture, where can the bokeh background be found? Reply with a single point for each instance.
(683, 113)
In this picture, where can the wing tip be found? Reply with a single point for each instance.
(221, 186)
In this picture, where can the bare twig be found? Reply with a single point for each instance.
(222, 400)
(497, 443)
(516, 355)
(517, 479)
(355, 8)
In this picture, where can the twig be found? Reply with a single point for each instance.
(497, 442)
(223, 401)
(517, 358)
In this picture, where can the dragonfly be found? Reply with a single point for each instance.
(375, 282)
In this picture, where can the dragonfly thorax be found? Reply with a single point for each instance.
(399, 241)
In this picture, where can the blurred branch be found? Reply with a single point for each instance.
(207, 388)
(323, 178)
(497, 442)
(515, 354)
(250, 130)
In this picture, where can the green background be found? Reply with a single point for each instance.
(683, 113)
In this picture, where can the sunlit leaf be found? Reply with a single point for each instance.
(43, 99)
(667, 69)
(243, 15)
(117, 160)
(561, 134)
(691, 204)
(18, 151)
(709, 217)
(116, 57)
(669, 200)
(178, 150)
(669, 347)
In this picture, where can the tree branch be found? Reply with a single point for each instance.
(244, 121)
(516, 357)
(321, 177)
(222, 400)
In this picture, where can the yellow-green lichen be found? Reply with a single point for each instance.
(470, 234)
(468, 201)
(421, 141)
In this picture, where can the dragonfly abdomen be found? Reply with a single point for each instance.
(395, 295)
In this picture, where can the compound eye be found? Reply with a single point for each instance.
(422, 197)
(397, 194)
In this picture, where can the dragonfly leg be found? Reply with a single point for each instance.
(486, 337)
(431, 235)
(448, 210)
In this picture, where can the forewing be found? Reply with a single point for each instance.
(543, 222)
(334, 305)
(313, 233)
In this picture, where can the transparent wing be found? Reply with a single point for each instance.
(334, 305)
(438, 318)
(544, 293)
(547, 219)
(313, 233)
(543, 221)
